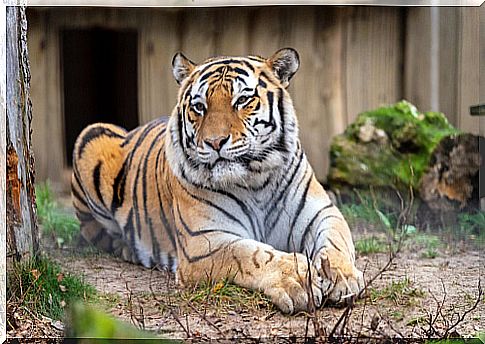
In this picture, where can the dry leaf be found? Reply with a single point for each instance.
(60, 277)
(35, 273)
(62, 287)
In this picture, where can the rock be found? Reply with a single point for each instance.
(396, 147)
(389, 146)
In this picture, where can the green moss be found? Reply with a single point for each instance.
(388, 146)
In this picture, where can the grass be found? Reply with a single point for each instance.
(41, 286)
(355, 213)
(428, 243)
(369, 211)
(473, 225)
(55, 221)
(372, 212)
(225, 295)
(401, 292)
(397, 315)
(370, 245)
(109, 300)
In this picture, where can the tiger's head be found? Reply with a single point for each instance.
(234, 122)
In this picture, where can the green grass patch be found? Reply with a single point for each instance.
(417, 321)
(40, 285)
(430, 253)
(370, 245)
(401, 292)
(109, 300)
(473, 225)
(427, 243)
(55, 221)
(227, 296)
(355, 213)
(397, 315)
(371, 209)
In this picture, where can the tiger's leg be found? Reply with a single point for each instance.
(288, 279)
(334, 255)
(328, 243)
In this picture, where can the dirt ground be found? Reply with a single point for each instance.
(415, 297)
(437, 291)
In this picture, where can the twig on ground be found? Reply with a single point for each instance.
(449, 324)
(203, 317)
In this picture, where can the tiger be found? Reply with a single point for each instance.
(221, 189)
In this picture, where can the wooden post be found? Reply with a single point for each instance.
(22, 230)
(3, 263)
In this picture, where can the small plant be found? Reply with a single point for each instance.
(473, 224)
(354, 213)
(400, 292)
(370, 245)
(430, 253)
(40, 285)
(226, 295)
(397, 315)
(365, 209)
(417, 321)
(428, 243)
(55, 221)
(109, 300)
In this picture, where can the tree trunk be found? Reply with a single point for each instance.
(451, 182)
(22, 229)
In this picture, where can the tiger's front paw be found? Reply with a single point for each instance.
(293, 284)
(344, 279)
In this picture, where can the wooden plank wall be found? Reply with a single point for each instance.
(456, 62)
(482, 67)
(352, 59)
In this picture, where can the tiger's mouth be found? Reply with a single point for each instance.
(243, 160)
(221, 162)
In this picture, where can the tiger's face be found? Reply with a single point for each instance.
(234, 122)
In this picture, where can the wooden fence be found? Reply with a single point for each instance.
(352, 59)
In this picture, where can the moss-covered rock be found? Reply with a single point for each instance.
(389, 146)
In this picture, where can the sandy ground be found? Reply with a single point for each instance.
(436, 291)
(151, 300)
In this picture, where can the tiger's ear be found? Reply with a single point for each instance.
(285, 62)
(181, 67)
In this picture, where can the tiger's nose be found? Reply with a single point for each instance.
(217, 143)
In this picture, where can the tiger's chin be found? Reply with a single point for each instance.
(227, 174)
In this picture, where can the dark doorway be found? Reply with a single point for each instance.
(100, 80)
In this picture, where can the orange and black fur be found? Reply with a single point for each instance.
(221, 189)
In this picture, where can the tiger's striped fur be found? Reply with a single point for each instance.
(220, 189)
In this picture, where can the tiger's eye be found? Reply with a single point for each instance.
(241, 100)
(199, 107)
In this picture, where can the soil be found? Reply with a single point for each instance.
(150, 299)
(438, 291)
